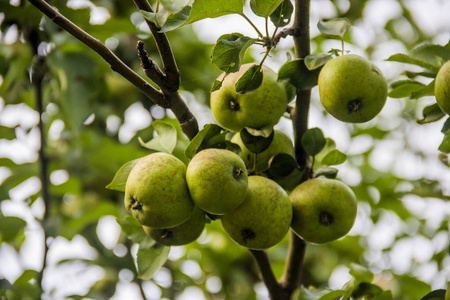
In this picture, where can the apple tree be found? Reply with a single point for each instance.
(304, 157)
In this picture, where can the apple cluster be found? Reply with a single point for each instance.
(174, 202)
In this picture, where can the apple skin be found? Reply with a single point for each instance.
(281, 143)
(260, 108)
(156, 192)
(217, 180)
(352, 89)
(263, 219)
(183, 234)
(324, 210)
(442, 88)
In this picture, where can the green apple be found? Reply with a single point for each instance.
(352, 89)
(324, 210)
(263, 219)
(442, 88)
(217, 180)
(156, 193)
(183, 234)
(260, 108)
(281, 143)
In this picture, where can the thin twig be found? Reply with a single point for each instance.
(151, 69)
(291, 31)
(165, 51)
(39, 69)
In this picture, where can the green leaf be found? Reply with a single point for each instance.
(431, 113)
(333, 295)
(446, 128)
(176, 20)
(328, 172)
(166, 139)
(264, 8)
(366, 289)
(313, 141)
(334, 27)
(202, 9)
(334, 157)
(318, 60)
(229, 51)
(281, 165)
(132, 229)
(445, 145)
(404, 88)
(384, 295)
(361, 273)
(120, 179)
(281, 16)
(296, 73)
(435, 295)
(254, 143)
(10, 227)
(325, 294)
(435, 55)
(407, 59)
(427, 74)
(426, 91)
(412, 288)
(150, 257)
(7, 132)
(216, 86)
(250, 80)
(174, 6)
(158, 18)
(203, 139)
(264, 132)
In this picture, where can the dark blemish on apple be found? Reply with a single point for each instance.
(248, 234)
(136, 205)
(234, 105)
(325, 218)
(354, 105)
(166, 234)
(237, 173)
(376, 71)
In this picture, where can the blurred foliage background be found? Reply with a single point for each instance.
(92, 119)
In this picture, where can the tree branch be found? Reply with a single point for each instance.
(297, 246)
(268, 277)
(165, 51)
(93, 43)
(168, 97)
(39, 69)
(294, 262)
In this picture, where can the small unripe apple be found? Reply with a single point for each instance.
(183, 234)
(263, 219)
(324, 210)
(260, 108)
(281, 143)
(156, 192)
(442, 88)
(352, 89)
(217, 180)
